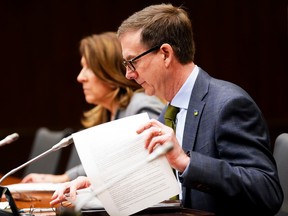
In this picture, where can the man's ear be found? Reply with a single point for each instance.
(166, 52)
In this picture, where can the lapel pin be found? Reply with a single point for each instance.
(195, 112)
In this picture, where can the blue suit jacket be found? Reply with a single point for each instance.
(232, 170)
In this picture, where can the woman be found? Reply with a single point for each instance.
(104, 85)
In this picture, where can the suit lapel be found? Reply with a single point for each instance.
(195, 110)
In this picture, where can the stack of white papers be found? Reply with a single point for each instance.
(21, 187)
(4, 205)
(115, 161)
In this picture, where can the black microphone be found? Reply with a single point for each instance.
(63, 143)
(9, 139)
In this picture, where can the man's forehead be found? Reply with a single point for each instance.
(130, 43)
(130, 37)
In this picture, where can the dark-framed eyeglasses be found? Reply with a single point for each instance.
(129, 63)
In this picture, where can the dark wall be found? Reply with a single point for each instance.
(240, 41)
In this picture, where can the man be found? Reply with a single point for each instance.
(221, 148)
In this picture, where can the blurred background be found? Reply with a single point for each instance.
(244, 42)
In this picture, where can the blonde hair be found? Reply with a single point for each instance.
(103, 55)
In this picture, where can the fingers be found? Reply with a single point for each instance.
(26, 179)
(156, 134)
(59, 194)
(33, 177)
(69, 189)
(56, 200)
(145, 127)
(152, 124)
(72, 193)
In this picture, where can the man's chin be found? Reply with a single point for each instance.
(149, 92)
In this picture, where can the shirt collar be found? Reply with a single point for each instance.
(182, 97)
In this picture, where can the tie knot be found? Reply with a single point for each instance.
(170, 116)
(171, 112)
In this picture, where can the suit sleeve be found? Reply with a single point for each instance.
(241, 166)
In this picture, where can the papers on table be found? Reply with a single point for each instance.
(4, 205)
(115, 160)
(21, 187)
(87, 194)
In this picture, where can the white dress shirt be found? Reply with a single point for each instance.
(181, 100)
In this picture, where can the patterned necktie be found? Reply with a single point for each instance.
(170, 116)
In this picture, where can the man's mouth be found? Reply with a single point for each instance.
(140, 83)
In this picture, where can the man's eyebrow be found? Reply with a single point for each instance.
(129, 57)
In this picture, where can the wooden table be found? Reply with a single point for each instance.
(32, 200)
(40, 201)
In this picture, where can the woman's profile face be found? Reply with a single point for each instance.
(95, 90)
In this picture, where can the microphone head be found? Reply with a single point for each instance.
(12, 137)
